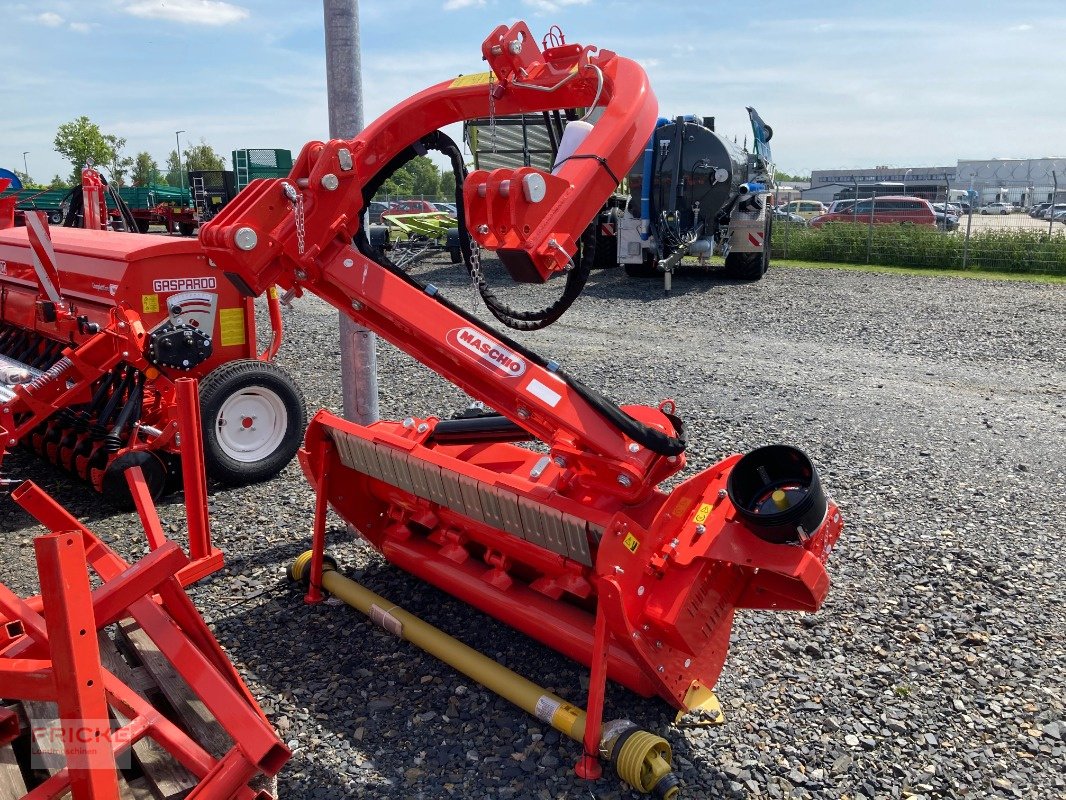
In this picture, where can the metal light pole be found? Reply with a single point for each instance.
(359, 358)
(25, 169)
(905, 174)
(181, 170)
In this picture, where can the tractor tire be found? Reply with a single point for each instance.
(143, 225)
(186, 228)
(645, 269)
(55, 217)
(455, 255)
(253, 419)
(751, 266)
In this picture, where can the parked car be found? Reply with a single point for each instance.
(808, 209)
(885, 210)
(997, 208)
(838, 206)
(953, 209)
(376, 209)
(780, 215)
(411, 207)
(946, 222)
(1037, 211)
(1052, 211)
(446, 208)
(1059, 216)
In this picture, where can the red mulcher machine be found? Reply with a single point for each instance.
(573, 544)
(95, 328)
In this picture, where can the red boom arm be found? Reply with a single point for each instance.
(257, 240)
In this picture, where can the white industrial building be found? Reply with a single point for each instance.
(1023, 181)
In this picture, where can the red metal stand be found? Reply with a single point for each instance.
(76, 667)
(589, 766)
(318, 534)
(56, 658)
(206, 559)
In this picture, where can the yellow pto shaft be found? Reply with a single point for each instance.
(642, 759)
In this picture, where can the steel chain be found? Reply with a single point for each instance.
(293, 195)
(298, 213)
(476, 276)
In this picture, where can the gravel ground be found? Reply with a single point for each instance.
(934, 408)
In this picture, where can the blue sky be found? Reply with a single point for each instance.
(843, 84)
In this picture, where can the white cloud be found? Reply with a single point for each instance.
(455, 5)
(554, 5)
(51, 19)
(193, 12)
(82, 27)
(1020, 28)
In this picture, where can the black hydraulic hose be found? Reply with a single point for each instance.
(644, 435)
(75, 201)
(131, 412)
(655, 440)
(100, 428)
(512, 318)
(123, 207)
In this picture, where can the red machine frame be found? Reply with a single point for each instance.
(56, 658)
(81, 305)
(638, 583)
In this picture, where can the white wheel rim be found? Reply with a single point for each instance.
(251, 424)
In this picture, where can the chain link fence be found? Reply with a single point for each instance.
(1002, 227)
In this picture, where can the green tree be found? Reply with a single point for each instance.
(145, 170)
(420, 176)
(118, 165)
(27, 181)
(80, 141)
(58, 182)
(174, 174)
(425, 176)
(784, 176)
(201, 157)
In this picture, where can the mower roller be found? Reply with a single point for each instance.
(572, 541)
(95, 328)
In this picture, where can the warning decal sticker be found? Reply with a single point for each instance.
(476, 79)
(231, 326)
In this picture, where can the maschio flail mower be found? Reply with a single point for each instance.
(95, 328)
(573, 543)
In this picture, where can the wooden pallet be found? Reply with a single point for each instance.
(151, 773)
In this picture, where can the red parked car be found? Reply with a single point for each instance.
(886, 210)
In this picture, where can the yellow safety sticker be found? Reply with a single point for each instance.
(231, 326)
(631, 543)
(475, 79)
(149, 303)
(683, 505)
(564, 717)
(272, 292)
(702, 513)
